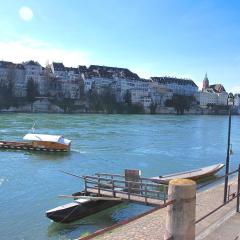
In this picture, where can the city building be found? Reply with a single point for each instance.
(160, 94)
(237, 102)
(11, 73)
(34, 71)
(212, 94)
(178, 86)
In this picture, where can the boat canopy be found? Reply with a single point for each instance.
(47, 138)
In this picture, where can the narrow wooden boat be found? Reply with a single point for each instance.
(195, 174)
(78, 209)
(39, 142)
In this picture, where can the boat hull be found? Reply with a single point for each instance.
(75, 211)
(35, 146)
(195, 175)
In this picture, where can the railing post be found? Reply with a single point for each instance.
(164, 193)
(114, 194)
(145, 193)
(228, 194)
(238, 188)
(129, 186)
(85, 184)
(98, 185)
(180, 221)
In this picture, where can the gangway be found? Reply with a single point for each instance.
(141, 190)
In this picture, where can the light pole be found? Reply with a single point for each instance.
(230, 103)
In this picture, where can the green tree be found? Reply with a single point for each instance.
(128, 98)
(181, 103)
(153, 108)
(95, 100)
(109, 100)
(7, 97)
(81, 89)
(66, 104)
(32, 90)
(136, 109)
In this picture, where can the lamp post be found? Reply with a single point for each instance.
(230, 103)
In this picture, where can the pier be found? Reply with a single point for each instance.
(130, 187)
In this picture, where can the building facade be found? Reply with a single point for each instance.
(178, 86)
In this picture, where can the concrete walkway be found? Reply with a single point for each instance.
(229, 230)
(152, 226)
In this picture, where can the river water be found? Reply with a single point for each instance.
(30, 182)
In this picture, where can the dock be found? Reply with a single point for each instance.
(130, 187)
(26, 146)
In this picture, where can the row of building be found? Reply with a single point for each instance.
(57, 80)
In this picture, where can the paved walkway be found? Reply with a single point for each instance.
(229, 230)
(152, 226)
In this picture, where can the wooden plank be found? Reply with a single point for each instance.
(124, 196)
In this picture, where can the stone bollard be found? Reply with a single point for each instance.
(180, 222)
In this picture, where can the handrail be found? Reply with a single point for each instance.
(131, 193)
(110, 175)
(121, 181)
(122, 176)
(214, 210)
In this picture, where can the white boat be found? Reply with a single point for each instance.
(40, 142)
(195, 174)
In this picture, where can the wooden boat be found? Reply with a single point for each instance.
(79, 209)
(195, 174)
(39, 142)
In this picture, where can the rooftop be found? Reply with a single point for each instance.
(180, 81)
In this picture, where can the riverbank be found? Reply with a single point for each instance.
(45, 106)
(152, 225)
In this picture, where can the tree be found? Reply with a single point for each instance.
(81, 89)
(137, 108)
(66, 104)
(180, 103)
(7, 85)
(32, 90)
(128, 98)
(153, 108)
(95, 100)
(109, 100)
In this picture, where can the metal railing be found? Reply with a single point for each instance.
(115, 183)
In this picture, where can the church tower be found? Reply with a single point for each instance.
(205, 82)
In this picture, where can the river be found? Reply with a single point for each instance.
(30, 182)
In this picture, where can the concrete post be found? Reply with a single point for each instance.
(180, 222)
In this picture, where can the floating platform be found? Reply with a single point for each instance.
(28, 146)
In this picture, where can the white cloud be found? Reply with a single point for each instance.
(235, 89)
(26, 13)
(30, 49)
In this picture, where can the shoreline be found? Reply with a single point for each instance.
(103, 113)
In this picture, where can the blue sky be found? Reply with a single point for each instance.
(180, 38)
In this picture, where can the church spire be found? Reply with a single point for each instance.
(205, 82)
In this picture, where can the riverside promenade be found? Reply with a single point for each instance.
(152, 225)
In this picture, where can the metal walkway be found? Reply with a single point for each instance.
(112, 185)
